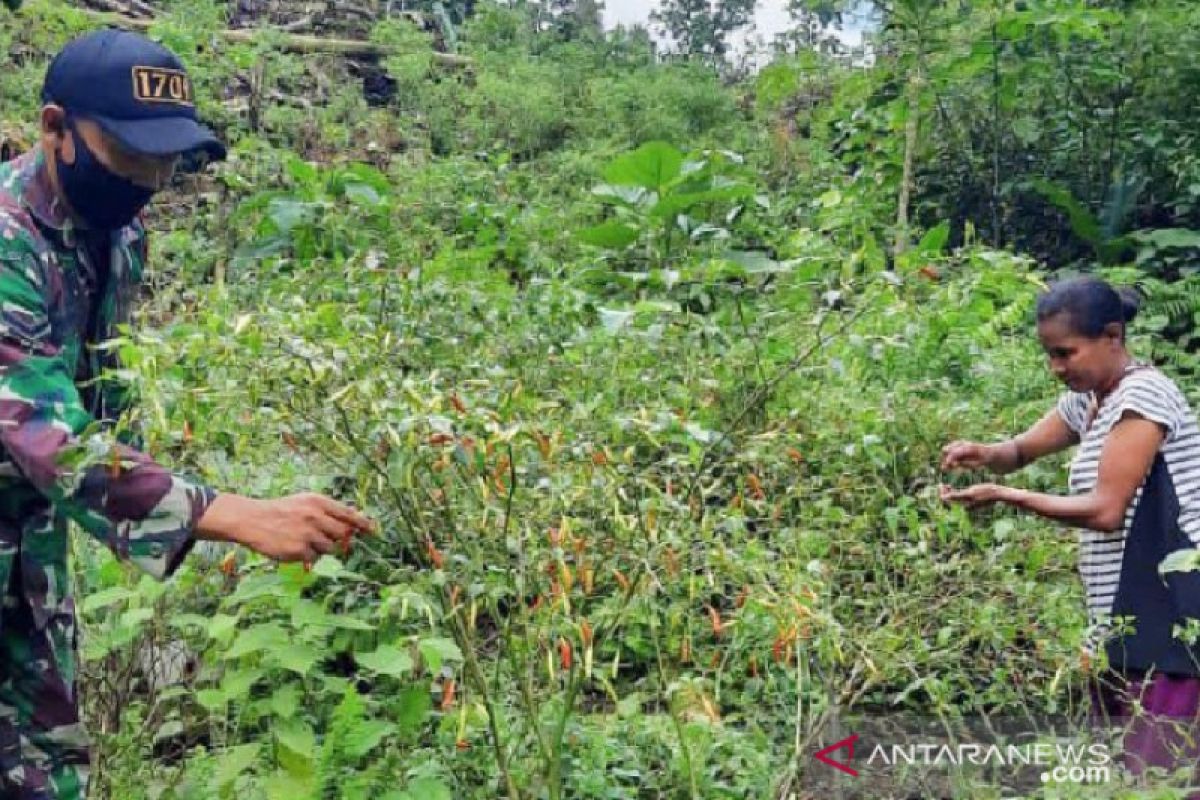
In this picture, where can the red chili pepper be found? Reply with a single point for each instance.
(564, 653)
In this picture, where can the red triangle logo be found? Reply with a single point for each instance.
(848, 743)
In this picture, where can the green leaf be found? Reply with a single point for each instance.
(428, 789)
(297, 736)
(437, 650)
(365, 736)
(613, 235)
(331, 567)
(296, 657)
(236, 685)
(1186, 560)
(268, 636)
(934, 240)
(285, 701)
(104, 598)
(232, 763)
(677, 203)
(211, 700)
(413, 707)
(284, 785)
(1165, 238)
(651, 166)
(134, 618)
(386, 660)
(1083, 222)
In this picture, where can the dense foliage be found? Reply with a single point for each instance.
(644, 370)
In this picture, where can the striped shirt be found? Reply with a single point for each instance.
(1149, 393)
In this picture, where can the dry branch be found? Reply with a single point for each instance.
(293, 42)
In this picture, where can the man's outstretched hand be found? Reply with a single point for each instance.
(301, 527)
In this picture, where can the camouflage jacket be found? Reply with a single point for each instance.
(58, 458)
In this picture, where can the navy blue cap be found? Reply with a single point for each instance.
(135, 89)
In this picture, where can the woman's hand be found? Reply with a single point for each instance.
(967, 455)
(977, 496)
(301, 527)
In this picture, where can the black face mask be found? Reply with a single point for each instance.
(104, 200)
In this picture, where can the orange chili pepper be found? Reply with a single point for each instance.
(622, 581)
(436, 439)
(715, 618)
(458, 404)
(448, 694)
(755, 487)
(435, 555)
(564, 653)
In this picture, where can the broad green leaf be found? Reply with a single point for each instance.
(435, 651)
(677, 203)
(628, 196)
(386, 660)
(284, 785)
(236, 685)
(232, 763)
(1083, 222)
(1186, 560)
(287, 213)
(268, 636)
(1166, 238)
(296, 735)
(934, 240)
(613, 235)
(296, 657)
(413, 707)
(331, 567)
(135, 617)
(211, 700)
(285, 701)
(651, 166)
(365, 736)
(428, 789)
(104, 598)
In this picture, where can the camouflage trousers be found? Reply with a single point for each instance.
(43, 745)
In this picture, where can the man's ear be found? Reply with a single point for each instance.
(1115, 331)
(55, 137)
(54, 120)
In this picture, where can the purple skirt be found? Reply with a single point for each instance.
(1160, 717)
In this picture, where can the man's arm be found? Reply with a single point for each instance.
(135, 506)
(122, 497)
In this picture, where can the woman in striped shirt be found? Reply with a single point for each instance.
(1134, 495)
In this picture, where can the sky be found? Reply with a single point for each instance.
(771, 17)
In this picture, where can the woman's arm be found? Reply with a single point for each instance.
(1125, 459)
(1048, 435)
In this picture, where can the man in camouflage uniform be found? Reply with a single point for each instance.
(118, 120)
